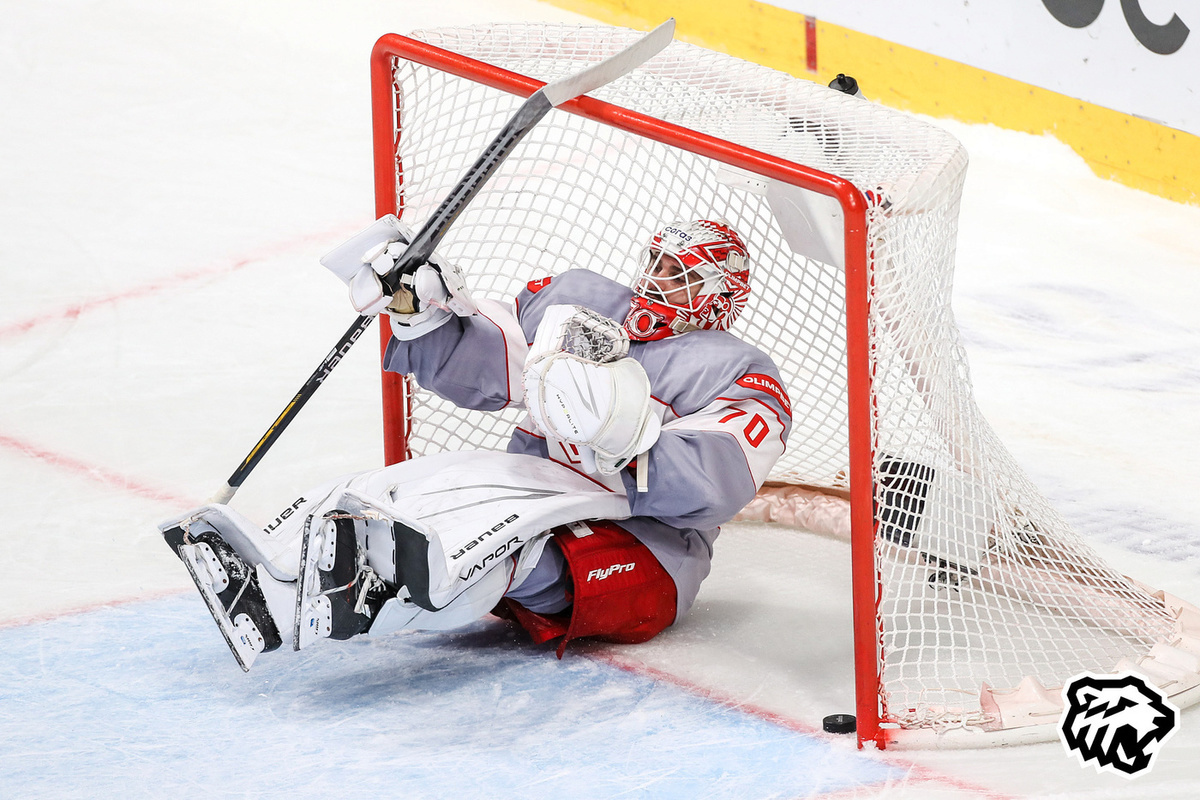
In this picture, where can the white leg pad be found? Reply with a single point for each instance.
(475, 602)
(278, 550)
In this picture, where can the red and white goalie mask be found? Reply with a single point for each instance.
(695, 275)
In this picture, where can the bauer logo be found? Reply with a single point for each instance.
(1116, 723)
(287, 512)
(481, 537)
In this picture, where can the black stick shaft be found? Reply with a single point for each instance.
(431, 234)
(293, 408)
(417, 253)
(434, 230)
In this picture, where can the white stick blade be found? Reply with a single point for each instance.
(612, 68)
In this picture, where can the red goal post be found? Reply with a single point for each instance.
(396, 397)
(973, 600)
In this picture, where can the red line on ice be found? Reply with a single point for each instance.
(77, 309)
(98, 474)
(105, 477)
(102, 475)
(915, 771)
(84, 608)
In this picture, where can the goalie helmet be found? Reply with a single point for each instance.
(695, 275)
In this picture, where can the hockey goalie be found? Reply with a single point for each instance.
(648, 426)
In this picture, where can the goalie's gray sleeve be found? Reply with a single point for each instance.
(474, 362)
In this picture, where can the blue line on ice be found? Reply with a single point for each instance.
(144, 700)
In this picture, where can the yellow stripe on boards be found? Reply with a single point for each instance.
(754, 31)
(1133, 151)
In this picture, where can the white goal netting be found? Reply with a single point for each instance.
(982, 584)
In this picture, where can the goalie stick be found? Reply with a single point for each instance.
(435, 228)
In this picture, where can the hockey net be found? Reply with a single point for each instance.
(975, 601)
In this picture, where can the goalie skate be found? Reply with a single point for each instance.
(339, 593)
(232, 593)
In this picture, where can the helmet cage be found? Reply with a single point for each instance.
(694, 276)
(678, 279)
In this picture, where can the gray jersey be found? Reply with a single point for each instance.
(725, 415)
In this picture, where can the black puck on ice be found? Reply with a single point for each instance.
(839, 723)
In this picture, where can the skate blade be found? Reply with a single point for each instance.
(315, 622)
(314, 613)
(241, 635)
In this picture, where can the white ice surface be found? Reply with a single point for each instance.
(172, 172)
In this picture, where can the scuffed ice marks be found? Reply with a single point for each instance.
(484, 672)
(1089, 336)
(138, 699)
(1136, 527)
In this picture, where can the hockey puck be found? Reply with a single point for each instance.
(839, 723)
